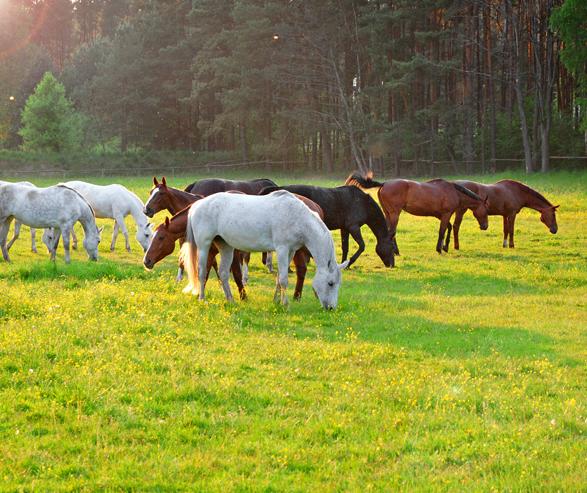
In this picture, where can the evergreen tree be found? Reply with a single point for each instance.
(49, 122)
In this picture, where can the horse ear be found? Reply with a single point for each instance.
(167, 222)
(555, 207)
(344, 265)
(155, 182)
(164, 182)
(100, 229)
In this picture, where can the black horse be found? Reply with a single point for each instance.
(210, 186)
(347, 208)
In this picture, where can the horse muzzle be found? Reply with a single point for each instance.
(553, 229)
(148, 263)
(484, 227)
(147, 211)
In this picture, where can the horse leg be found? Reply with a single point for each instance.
(237, 273)
(344, 240)
(202, 264)
(283, 261)
(211, 263)
(447, 238)
(180, 266)
(356, 234)
(74, 239)
(301, 263)
(506, 231)
(120, 221)
(511, 223)
(456, 226)
(444, 221)
(245, 258)
(17, 225)
(34, 240)
(392, 221)
(53, 248)
(114, 236)
(66, 232)
(4, 227)
(226, 256)
(268, 260)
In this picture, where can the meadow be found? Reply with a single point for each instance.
(461, 371)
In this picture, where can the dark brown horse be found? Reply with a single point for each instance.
(506, 198)
(437, 198)
(170, 231)
(210, 186)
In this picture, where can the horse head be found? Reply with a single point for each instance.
(91, 242)
(326, 283)
(144, 235)
(548, 217)
(156, 196)
(481, 213)
(384, 249)
(162, 245)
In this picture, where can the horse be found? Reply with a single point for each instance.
(437, 198)
(116, 202)
(506, 198)
(163, 197)
(211, 186)
(57, 207)
(347, 208)
(171, 230)
(277, 222)
(18, 224)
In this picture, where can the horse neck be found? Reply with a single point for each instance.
(178, 200)
(88, 220)
(376, 221)
(136, 211)
(178, 224)
(315, 235)
(534, 202)
(466, 201)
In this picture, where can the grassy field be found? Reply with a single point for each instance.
(463, 371)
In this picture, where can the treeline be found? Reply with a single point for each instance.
(326, 83)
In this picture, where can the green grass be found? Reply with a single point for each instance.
(463, 371)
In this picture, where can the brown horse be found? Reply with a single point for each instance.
(163, 244)
(506, 198)
(438, 198)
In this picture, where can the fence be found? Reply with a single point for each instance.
(384, 167)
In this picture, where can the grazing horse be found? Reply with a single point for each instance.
(116, 202)
(163, 197)
(278, 222)
(163, 244)
(347, 208)
(506, 198)
(57, 207)
(438, 198)
(211, 186)
(18, 224)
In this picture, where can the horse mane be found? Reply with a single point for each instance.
(63, 185)
(466, 191)
(357, 180)
(528, 190)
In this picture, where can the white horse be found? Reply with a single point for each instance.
(276, 222)
(116, 202)
(56, 207)
(18, 224)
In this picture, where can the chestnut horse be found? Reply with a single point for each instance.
(437, 198)
(506, 198)
(170, 231)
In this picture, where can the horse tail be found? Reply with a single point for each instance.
(357, 180)
(268, 190)
(188, 256)
(467, 192)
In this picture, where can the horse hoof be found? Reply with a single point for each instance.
(445, 249)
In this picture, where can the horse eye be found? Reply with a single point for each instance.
(330, 283)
